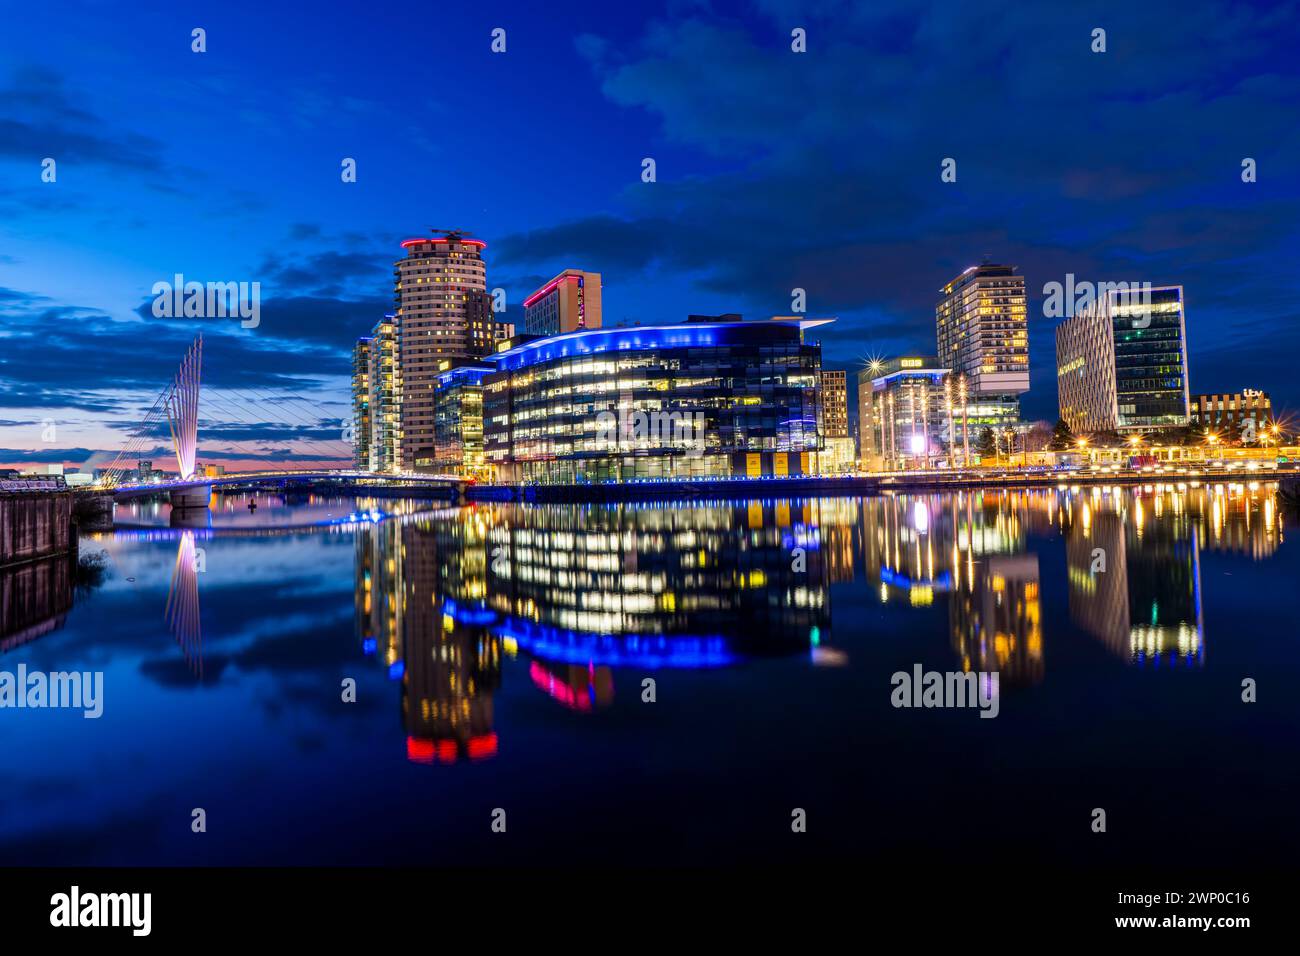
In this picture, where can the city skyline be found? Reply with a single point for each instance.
(141, 195)
(585, 439)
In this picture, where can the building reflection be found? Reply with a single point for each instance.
(35, 599)
(970, 550)
(660, 586)
(444, 598)
(1238, 518)
(581, 592)
(411, 579)
(1134, 572)
(995, 619)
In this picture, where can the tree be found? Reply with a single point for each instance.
(1107, 438)
(1039, 436)
(1062, 437)
(1181, 435)
(985, 445)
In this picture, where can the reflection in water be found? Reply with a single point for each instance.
(444, 597)
(35, 598)
(995, 619)
(182, 611)
(581, 591)
(971, 549)
(585, 591)
(1134, 571)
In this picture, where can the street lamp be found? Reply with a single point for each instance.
(952, 435)
(965, 421)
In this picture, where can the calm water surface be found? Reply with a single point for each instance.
(499, 654)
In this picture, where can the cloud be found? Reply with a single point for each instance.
(825, 165)
(42, 118)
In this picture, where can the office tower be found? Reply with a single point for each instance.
(983, 336)
(835, 403)
(458, 413)
(1121, 363)
(568, 303)
(385, 415)
(361, 403)
(907, 412)
(443, 312)
(712, 396)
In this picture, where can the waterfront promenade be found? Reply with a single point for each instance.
(862, 485)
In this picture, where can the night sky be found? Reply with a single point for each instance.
(775, 170)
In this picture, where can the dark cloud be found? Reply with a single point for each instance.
(43, 455)
(1117, 165)
(39, 117)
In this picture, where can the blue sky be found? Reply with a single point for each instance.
(776, 170)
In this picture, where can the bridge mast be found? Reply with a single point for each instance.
(183, 409)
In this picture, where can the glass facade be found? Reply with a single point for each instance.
(710, 397)
(1122, 363)
(907, 415)
(458, 422)
(1150, 359)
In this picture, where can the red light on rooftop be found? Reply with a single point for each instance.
(407, 243)
(547, 288)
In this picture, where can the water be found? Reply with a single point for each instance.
(499, 654)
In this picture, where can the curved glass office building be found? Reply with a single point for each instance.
(710, 397)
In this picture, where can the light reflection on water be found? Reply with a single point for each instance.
(482, 627)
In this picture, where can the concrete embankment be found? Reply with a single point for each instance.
(34, 524)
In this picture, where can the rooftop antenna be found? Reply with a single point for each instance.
(453, 235)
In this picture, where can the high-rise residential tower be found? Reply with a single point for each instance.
(835, 403)
(443, 312)
(839, 450)
(1121, 363)
(361, 403)
(568, 303)
(385, 415)
(983, 336)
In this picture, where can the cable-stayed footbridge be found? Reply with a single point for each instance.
(174, 419)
